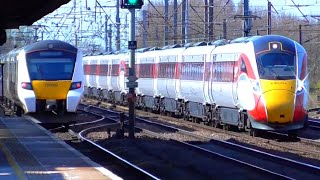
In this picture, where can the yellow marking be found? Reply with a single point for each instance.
(19, 172)
(280, 98)
(51, 89)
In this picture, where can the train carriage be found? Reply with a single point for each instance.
(253, 83)
(44, 76)
(93, 77)
(118, 76)
(193, 79)
(146, 71)
(167, 79)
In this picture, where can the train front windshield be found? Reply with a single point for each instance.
(51, 65)
(276, 66)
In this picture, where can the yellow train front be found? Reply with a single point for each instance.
(280, 85)
(44, 76)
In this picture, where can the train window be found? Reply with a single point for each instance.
(93, 68)
(141, 70)
(88, 69)
(47, 67)
(114, 68)
(243, 66)
(147, 70)
(278, 66)
(109, 70)
(103, 70)
(214, 57)
(150, 69)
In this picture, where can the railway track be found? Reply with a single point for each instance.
(132, 169)
(314, 124)
(275, 139)
(266, 163)
(124, 168)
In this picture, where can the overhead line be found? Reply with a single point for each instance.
(300, 11)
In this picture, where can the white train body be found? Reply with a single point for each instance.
(238, 83)
(148, 84)
(44, 76)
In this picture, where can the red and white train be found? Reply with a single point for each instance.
(254, 83)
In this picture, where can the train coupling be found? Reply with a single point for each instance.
(51, 105)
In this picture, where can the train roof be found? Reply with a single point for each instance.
(214, 44)
(219, 42)
(50, 44)
(258, 39)
(197, 50)
(245, 39)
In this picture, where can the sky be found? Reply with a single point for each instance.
(62, 23)
(307, 8)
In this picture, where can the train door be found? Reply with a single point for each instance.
(86, 69)
(177, 76)
(206, 77)
(2, 113)
(1, 82)
(103, 73)
(10, 78)
(109, 74)
(15, 79)
(212, 77)
(137, 71)
(235, 80)
(6, 78)
(155, 76)
(115, 74)
(98, 77)
(93, 70)
(122, 74)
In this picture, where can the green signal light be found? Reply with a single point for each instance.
(133, 2)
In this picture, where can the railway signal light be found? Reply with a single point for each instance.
(131, 4)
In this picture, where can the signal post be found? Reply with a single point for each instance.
(131, 5)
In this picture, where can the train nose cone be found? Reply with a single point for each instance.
(279, 105)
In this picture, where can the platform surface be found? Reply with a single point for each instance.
(28, 151)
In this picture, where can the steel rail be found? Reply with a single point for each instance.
(279, 159)
(82, 136)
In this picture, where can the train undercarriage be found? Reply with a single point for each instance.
(209, 114)
(16, 108)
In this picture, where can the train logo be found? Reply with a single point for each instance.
(51, 85)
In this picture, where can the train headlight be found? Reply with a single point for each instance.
(255, 86)
(26, 85)
(300, 86)
(75, 85)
